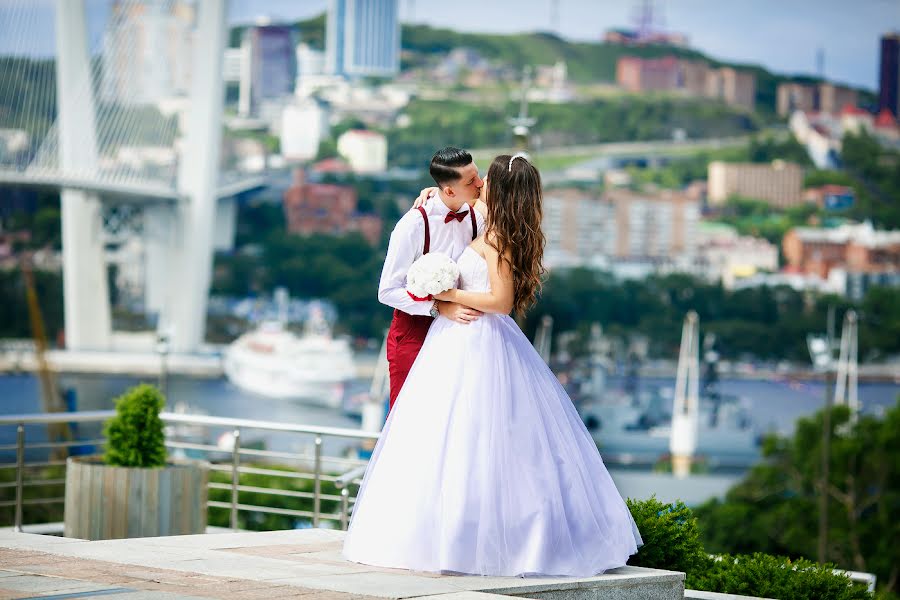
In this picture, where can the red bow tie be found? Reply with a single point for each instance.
(459, 216)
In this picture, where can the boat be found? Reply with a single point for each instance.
(274, 362)
(636, 425)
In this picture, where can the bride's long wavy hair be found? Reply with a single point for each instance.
(514, 206)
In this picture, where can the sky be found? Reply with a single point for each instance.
(781, 35)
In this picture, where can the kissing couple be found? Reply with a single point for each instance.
(483, 465)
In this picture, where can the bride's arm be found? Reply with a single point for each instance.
(423, 196)
(500, 299)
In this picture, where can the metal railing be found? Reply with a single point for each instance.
(342, 472)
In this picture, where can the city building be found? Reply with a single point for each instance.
(821, 133)
(735, 88)
(638, 75)
(853, 248)
(583, 228)
(326, 208)
(886, 126)
(820, 97)
(832, 98)
(889, 74)
(693, 78)
(310, 62)
(791, 97)
(366, 151)
(856, 120)
(304, 124)
(779, 184)
(551, 84)
(363, 38)
(146, 50)
(659, 224)
(268, 68)
(726, 257)
(693, 75)
(578, 226)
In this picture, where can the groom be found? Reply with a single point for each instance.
(445, 223)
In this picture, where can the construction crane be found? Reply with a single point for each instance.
(51, 399)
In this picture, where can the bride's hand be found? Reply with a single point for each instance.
(447, 296)
(423, 196)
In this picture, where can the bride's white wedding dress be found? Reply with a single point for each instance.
(484, 466)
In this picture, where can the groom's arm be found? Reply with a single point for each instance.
(404, 248)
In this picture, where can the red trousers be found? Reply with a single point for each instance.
(405, 338)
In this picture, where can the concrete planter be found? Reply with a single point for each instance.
(104, 502)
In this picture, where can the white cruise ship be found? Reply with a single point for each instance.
(274, 362)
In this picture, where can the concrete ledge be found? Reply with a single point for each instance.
(700, 595)
(309, 562)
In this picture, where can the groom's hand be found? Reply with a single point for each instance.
(458, 312)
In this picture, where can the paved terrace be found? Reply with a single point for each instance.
(272, 565)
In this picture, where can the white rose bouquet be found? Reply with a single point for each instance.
(431, 274)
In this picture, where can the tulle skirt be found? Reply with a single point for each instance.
(484, 467)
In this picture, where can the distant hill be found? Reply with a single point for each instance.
(586, 61)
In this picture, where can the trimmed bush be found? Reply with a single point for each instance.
(134, 437)
(672, 542)
(670, 535)
(769, 576)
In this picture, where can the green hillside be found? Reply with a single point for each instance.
(587, 62)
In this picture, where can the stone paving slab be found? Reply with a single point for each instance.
(283, 564)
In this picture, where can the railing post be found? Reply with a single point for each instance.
(235, 477)
(317, 485)
(345, 506)
(20, 475)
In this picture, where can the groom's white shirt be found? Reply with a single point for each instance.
(407, 243)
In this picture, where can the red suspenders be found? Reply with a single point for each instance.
(427, 234)
(427, 245)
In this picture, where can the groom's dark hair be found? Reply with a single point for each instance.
(443, 164)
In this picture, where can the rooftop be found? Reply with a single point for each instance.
(859, 233)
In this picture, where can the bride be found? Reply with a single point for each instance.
(484, 466)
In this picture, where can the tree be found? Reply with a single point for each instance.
(775, 508)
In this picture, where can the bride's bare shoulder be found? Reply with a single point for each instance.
(481, 207)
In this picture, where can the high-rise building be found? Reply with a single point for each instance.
(889, 74)
(654, 225)
(694, 78)
(794, 96)
(821, 97)
(735, 88)
(270, 65)
(363, 38)
(582, 227)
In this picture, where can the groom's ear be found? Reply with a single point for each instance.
(448, 191)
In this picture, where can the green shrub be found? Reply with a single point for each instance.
(134, 437)
(670, 535)
(769, 576)
(672, 542)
